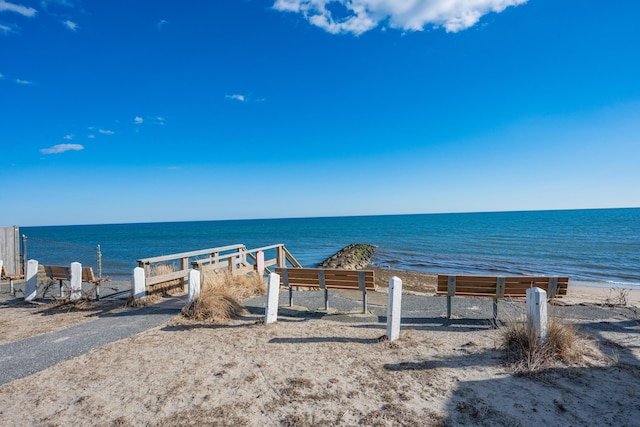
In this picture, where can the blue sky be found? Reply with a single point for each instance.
(168, 111)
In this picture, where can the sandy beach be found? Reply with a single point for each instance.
(313, 370)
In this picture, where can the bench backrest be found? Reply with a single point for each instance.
(5, 275)
(63, 272)
(501, 287)
(331, 279)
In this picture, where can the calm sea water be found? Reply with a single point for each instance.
(591, 246)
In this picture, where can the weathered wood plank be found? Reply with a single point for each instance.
(154, 280)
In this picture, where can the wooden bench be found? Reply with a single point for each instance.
(10, 277)
(362, 280)
(498, 287)
(62, 273)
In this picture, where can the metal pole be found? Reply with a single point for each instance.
(99, 263)
(24, 254)
(99, 274)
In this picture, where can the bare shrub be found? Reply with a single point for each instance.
(617, 297)
(222, 293)
(527, 355)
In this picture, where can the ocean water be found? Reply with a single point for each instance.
(598, 246)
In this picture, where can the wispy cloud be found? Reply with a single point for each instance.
(1, 76)
(106, 131)
(61, 148)
(70, 136)
(24, 82)
(65, 3)
(70, 25)
(27, 11)
(138, 120)
(360, 16)
(244, 98)
(236, 97)
(161, 23)
(6, 29)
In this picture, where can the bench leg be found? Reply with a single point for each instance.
(495, 308)
(448, 306)
(290, 296)
(98, 292)
(364, 302)
(61, 290)
(326, 299)
(11, 287)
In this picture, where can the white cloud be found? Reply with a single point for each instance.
(61, 148)
(6, 29)
(360, 16)
(65, 3)
(106, 131)
(27, 11)
(161, 23)
(70, 25)
(91, 136)
(23, 82)
(138, 120)
(237, 97)
(68, 136)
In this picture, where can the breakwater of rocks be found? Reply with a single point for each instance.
(356, 256)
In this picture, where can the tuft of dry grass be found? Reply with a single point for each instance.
(222, 293)
(527, 355)
(138, 302)
(162, 290)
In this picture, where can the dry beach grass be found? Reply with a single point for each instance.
(309, 371)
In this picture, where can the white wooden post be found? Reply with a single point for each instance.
(76, 281)
(260, 262)
(31, 277)
(273, 297)
(394, 308)
(138, 284)
(194, 286)
(537, 312)
(1, 263)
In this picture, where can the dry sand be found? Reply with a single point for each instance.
(305, 371)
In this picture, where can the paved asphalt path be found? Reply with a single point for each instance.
(22, 358)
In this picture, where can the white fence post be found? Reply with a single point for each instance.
(194, 286)
(537, 312)
(76, 281)
(31, 277)
(273, 298)
(394, 308)
(260, 262)
(138, 284)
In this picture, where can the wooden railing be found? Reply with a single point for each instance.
(232, 258)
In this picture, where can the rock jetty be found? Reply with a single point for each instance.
(353, 257)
